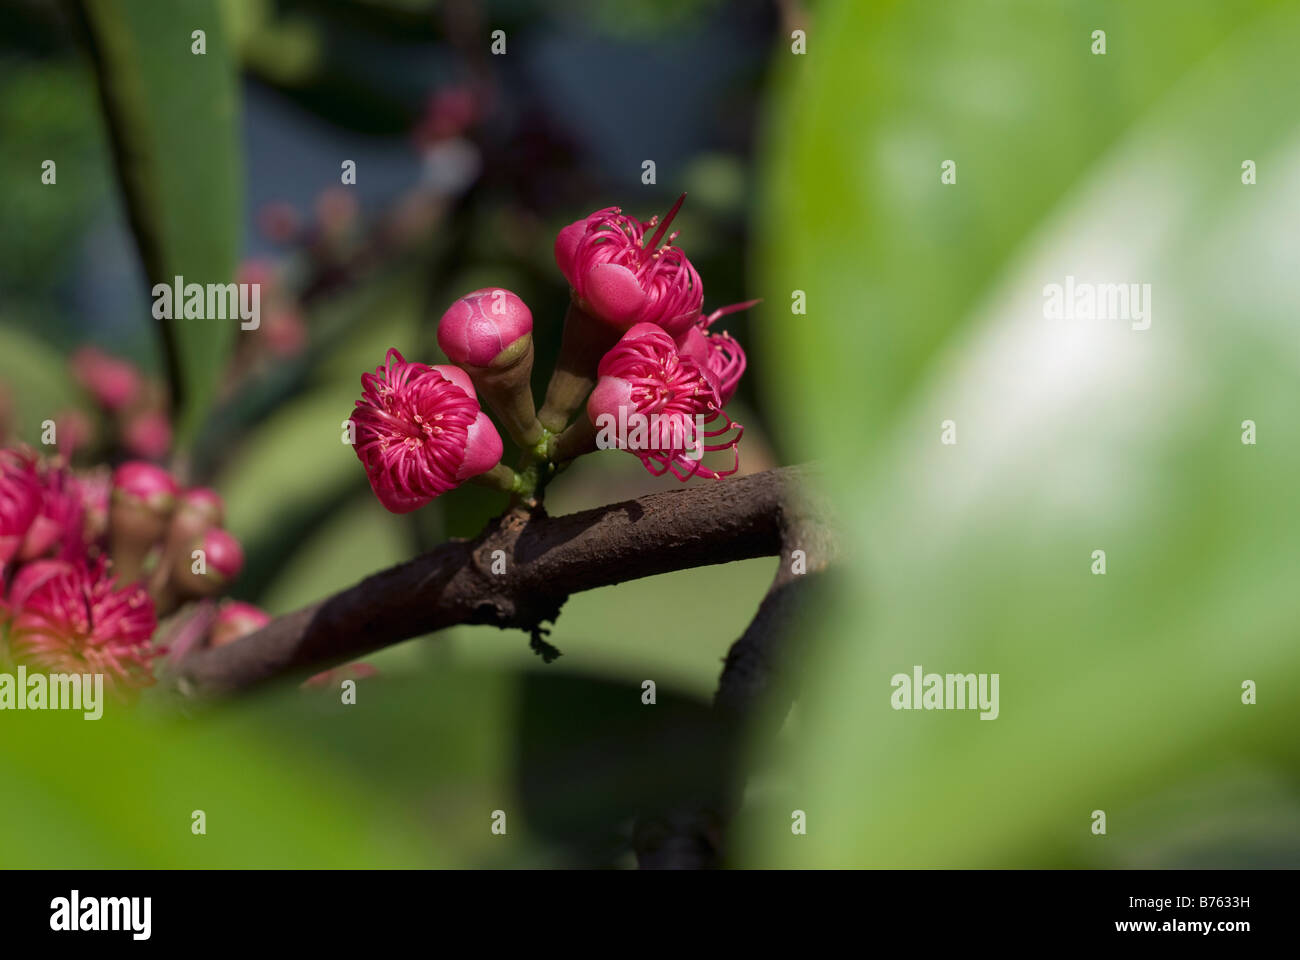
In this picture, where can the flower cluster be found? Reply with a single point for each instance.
(89, 562)
(636, 347)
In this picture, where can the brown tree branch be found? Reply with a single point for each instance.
(691, 834)
(546, 560)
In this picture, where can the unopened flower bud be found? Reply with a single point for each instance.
(148, 435)
(112, 382)
(490, 334)
(214, 559)
(234, 620)
(142, 500)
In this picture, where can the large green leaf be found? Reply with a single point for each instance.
(173, 123)
(1119, 692)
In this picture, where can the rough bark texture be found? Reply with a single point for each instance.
(546, 560)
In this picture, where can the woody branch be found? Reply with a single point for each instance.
(546, 560)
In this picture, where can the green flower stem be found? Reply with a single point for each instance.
(584, 342)
(580, 438)
(500, 478)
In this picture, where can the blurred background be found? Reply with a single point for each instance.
(816, 171)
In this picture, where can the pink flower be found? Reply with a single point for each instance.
(478, 326)
(285, 332)
(148, 435)
(20, 501)
(420, 432)
(279, 221)
(235, 620)
(112, 382)
(648, 376)
(74, 431)
(60, 521)
(620, 277)
(67, 617)
(718, 354)
(448, 112)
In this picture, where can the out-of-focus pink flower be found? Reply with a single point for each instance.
(74, 430)
(114, 383)
(449, 112)
(624, 279)
(645, 376)
(60, 521)
(285, 332)
(148, 435)
(260, 272)
(224, 555)
(20, 501)
(95, 486)
(234, 620)
(478, 326)
(279, 221)
(67, 617)
(145, 483)
(718, 354)
(205, 501)
(139, 512)
(413, 431)
(336, 209)
(222, 560)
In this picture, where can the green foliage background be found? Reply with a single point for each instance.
(1122, 692)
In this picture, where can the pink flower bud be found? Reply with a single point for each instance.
(69, 618)
(623, 279)
(412, 431)
(142, 501)
(204, 501)
(112, 382)
(234, 620)
(646, 378)
(222, 552)
(145, 483)
(148, 435)
(222, 560)
(480, 325)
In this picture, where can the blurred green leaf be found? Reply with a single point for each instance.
(172, 118)
(35, 376)
(1118, 692)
